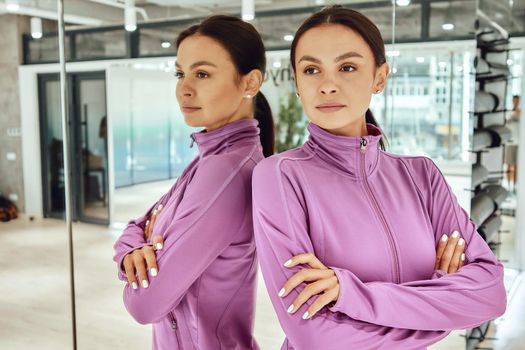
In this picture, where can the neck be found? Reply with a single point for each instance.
(245, 111)
(357, 128)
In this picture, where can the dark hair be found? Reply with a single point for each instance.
(359, 23)
(246, 49)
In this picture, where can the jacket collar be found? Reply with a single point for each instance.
(357, 156)
(242, 131)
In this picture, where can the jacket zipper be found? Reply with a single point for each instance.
(192, 141)
(174, 327)
(380, 213)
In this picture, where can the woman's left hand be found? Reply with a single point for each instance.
(321, 280)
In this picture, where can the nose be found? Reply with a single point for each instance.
(184, 89)
(327, 87)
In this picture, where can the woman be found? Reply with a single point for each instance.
(201, 293)
(346, 232)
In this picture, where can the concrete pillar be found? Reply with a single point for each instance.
(11, 173)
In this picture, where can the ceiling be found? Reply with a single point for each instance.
(111, 12)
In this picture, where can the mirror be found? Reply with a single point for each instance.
(129, 142)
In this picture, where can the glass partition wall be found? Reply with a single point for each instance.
(426, 109)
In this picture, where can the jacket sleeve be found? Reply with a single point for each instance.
(461, 300)
(281, 231)
(206, 222)
(133, 236)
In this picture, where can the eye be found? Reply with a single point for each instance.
(310, 70)
(347, 68)
(179, 75)
(202, 75)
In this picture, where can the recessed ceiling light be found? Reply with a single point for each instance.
(277, 64)
(288, 37)
(447, 26)
(402, 2)
(420, 59)
(165, 44)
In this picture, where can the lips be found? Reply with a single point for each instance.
(330, 107)
(189, 109)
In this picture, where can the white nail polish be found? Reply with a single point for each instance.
(281, 292)
(463, 257)
(145, 284)
(444, 238)
(288, 262)
(461, 242)
(159, 246)
(305, 315)
(153, 271)
(160, 207)
(155, 212)
(147, 223)
(455, 234)
(290, 309)
(134, 285)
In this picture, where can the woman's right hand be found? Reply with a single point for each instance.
(139, 261)
(450, 256)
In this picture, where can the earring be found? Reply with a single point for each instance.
(297, 94)
(378, 91)
(248, 96)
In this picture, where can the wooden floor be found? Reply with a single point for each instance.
(35, 310)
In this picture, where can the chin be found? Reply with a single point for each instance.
(193, 121)
(332, 121)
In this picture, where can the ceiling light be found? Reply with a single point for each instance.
(248, 10)
(402, 2)
(12, 5)
(447, 26)
(510, 62)
(36, 27)
(288, 37)
(130, 16)
(420, 59)
(165, 44)
(277, 64)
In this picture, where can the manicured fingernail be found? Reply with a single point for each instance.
(147, 222)
(288, 263)
(444, 238)
(455, 234)
(305, 315)
(159, 246)
(463, 257)
(134, 285)
(145, 284)
(160, 207)
(461, 241)
(153, 271)
(290, 309)
(281, 292)
(155, 212)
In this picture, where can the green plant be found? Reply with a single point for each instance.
(291, 126)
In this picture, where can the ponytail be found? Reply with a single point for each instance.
(263, 114)
(369, 118)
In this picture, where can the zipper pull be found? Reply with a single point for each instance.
(192, 141)
(363, 144)
(174, 325)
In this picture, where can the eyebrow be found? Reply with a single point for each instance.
(337, 59)
(198, 63)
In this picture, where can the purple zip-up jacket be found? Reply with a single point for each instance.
(204, 294)
(375, 218)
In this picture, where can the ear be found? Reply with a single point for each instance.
(381, 77)
(253, 81)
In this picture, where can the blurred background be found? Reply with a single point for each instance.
(454, 94)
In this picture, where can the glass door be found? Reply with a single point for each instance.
(88, 130)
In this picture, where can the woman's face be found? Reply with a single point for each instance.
(336, 76)
(209, 90)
